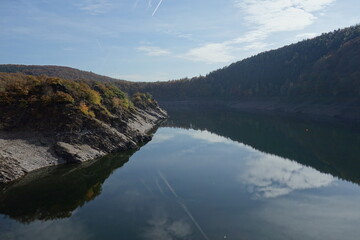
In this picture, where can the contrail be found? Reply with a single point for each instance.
(157, 7)
(183, 206)
(168, 185)
(159, 187)
(193, 220)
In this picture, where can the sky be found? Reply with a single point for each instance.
(158, 40)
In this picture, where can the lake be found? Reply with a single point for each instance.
(205, 175)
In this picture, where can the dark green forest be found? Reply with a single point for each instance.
(326, 67)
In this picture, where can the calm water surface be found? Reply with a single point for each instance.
(205, 175)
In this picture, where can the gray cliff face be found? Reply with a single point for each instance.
(22, 151)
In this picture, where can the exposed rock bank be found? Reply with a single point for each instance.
(25, 151)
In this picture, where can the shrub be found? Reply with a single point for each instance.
(93, 97)
(61, 97)
(85, 109)
(122, 103)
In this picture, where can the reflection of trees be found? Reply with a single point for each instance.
(327, 147)
(53, 193)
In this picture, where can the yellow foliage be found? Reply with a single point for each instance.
(53, 80)
(125, 103)
(92, 114)
(43, 93)
(93, 96)
(85, 109)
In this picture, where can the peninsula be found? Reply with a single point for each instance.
(47, 121)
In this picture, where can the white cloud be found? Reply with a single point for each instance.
(281, 15)
(96, 7)
(269, 176)
(264, 17)
(153, 51)
(256, 46)
(251, 36)
(303, 36)
(210, 53)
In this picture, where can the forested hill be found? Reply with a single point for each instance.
(57, 71)
(325, 67)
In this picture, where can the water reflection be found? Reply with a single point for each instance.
(269, 176)
(40, 230)
(266, 175)
(55, 192)
(163, 227)
(327, 147)
(209, 183)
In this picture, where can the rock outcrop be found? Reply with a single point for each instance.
(36, 134)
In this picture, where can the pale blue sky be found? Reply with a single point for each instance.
(150, 40)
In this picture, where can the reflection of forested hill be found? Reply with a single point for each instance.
(53, 193)
(325, 147)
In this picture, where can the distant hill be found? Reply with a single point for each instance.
(325, 67)
(56, 71)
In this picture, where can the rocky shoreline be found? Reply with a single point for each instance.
(46, 121)
(22, 151)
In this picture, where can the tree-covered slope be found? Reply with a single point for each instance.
(321, 70)
(326, 67)
(57, 71)
(27, 100)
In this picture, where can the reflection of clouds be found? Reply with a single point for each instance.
(202, 135)
(209, 137)
(161, 137)
(270, 176)
(61, 229)
(163, 228)
(267, 176)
